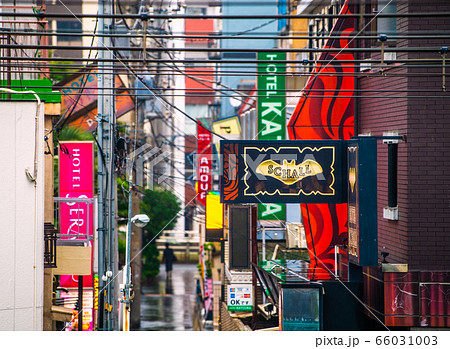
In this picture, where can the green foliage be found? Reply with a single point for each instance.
(150, 261)
(161, 207)
(208, 269)
(71, 133)
(122, 246)
(208, 246)
(122, 198)
(59, 70)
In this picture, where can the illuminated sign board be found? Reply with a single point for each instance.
(76, 180)
(282, 172)
(362, 201)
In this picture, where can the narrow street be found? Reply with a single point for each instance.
(169, 305)
(287, 160)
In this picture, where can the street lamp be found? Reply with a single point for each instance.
(140, 220)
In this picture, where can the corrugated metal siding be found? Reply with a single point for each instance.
(227, 322)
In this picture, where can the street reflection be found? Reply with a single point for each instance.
(167, 305)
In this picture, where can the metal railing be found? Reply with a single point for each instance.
(180, 238)
(74, 220)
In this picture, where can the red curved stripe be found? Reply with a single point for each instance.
(326, 111)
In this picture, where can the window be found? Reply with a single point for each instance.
(195, 10)
(387, 26)
(68, 27)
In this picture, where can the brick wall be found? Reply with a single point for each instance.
(382, 112)
(421, 236)
(429, 149)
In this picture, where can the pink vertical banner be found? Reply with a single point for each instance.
(204, 165)
(76, 180)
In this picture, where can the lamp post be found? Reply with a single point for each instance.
(140, 220)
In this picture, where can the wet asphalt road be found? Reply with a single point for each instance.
(168, 304)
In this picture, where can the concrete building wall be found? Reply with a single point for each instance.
(22, 217)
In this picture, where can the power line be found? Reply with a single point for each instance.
(213, 36)
(435, 49)
(154, 16)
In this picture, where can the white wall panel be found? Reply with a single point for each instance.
(22, 217)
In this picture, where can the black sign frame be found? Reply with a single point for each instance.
(362, 201)
(285, 171)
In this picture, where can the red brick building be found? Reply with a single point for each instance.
(408, 98)
(400, 97)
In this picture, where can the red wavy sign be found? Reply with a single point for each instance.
(326, 111)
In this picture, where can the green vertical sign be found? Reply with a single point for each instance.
(271, 96)
(271, 113)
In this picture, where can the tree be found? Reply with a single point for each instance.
(59, 70)
(162, 207)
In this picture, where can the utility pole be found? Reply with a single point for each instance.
(136, 264)
(106, 173)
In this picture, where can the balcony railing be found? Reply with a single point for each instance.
(15, 33)
(179, 239)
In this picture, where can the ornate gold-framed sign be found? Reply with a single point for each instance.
(282, 171)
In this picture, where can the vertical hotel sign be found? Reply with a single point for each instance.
(76, 180)
(271, 113)
(204, 166)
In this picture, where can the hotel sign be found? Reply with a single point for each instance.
(282, 172)
(271, 96)
(76, 180)
(271, 114)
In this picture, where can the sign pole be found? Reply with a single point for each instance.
(254, 254)
(105, 169)
(80, 303)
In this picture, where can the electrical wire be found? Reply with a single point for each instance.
(174, 89)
